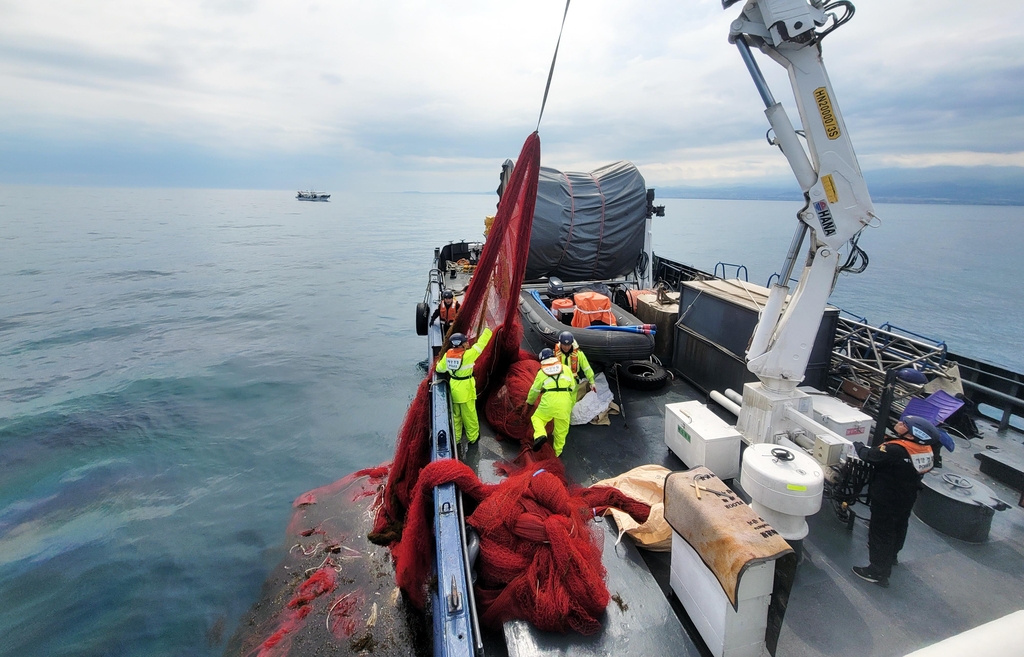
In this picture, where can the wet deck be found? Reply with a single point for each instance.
(940, 588)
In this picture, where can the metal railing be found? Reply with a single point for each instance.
(739, 268)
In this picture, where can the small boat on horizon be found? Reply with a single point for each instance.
(312, 196)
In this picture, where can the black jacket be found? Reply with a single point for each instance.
(896, 481)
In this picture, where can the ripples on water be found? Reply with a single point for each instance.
(176, 366)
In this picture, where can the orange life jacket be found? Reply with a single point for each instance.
(448, 313)
(921, 456)
(453, 359)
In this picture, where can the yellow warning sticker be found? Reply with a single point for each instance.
(828, 117)
(830, 188)
(796, 487)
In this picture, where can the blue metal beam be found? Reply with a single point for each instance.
(453, 600)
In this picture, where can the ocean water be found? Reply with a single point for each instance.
(176, 366)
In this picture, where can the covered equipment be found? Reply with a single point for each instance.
(588, 226)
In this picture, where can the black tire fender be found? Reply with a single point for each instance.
(422, 318)
(642, 374)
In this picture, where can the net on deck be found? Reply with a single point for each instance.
(491, 300)
(540, 558)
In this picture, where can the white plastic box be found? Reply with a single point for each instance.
(847, 421)
(699, 437)
(727, 632)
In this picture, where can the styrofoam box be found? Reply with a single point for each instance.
(699, 437)
(727, 632)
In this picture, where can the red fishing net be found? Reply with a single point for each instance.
(503, 409)
(540, 558)
(492, 300)
(332, 588)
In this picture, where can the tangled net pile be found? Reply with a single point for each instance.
(540, 558)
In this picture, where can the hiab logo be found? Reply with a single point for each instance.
(825, 217)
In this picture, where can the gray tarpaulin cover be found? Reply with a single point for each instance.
(588, 226)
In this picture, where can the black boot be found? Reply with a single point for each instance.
(539, 442)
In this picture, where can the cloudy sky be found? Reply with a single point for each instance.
(432, 95)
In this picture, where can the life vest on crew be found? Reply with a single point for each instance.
(448, 313)
(920, 456)
(453, 359)
(458, 362)
(556, 380)
(552, 367)
(570, 360)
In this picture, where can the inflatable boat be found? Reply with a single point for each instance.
(599, 345)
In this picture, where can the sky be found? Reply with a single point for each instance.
(433, 95)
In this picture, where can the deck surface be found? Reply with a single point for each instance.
(941, 587)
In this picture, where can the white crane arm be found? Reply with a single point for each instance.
(837, 204)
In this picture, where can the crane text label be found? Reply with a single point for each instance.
(828, 117)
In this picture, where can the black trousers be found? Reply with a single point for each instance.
(888, 530)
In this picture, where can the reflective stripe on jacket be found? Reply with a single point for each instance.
(561, 386)
(576, 360)
(462, 384)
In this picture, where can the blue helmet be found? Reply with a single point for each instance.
(447, 294)
(921, 431)
(565, 337)
(457, 339)
(546, 353)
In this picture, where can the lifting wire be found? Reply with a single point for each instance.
(551, 72)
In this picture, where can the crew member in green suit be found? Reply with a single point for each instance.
(457, 362)
(573, 359)
(559, 395)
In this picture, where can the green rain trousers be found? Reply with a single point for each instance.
(464, 415)
(555, 404)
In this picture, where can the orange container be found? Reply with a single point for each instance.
(562, 308)
(592, 307)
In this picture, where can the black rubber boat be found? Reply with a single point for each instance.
(598, 345)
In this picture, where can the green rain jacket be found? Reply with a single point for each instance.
(563, 393)
(582, 364)
(462, 384)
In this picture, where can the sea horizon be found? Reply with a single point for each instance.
(726, 193)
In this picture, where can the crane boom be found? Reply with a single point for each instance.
(837, 205)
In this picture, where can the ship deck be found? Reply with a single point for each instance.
(941, 587)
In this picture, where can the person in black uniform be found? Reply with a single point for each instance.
(899, 464)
